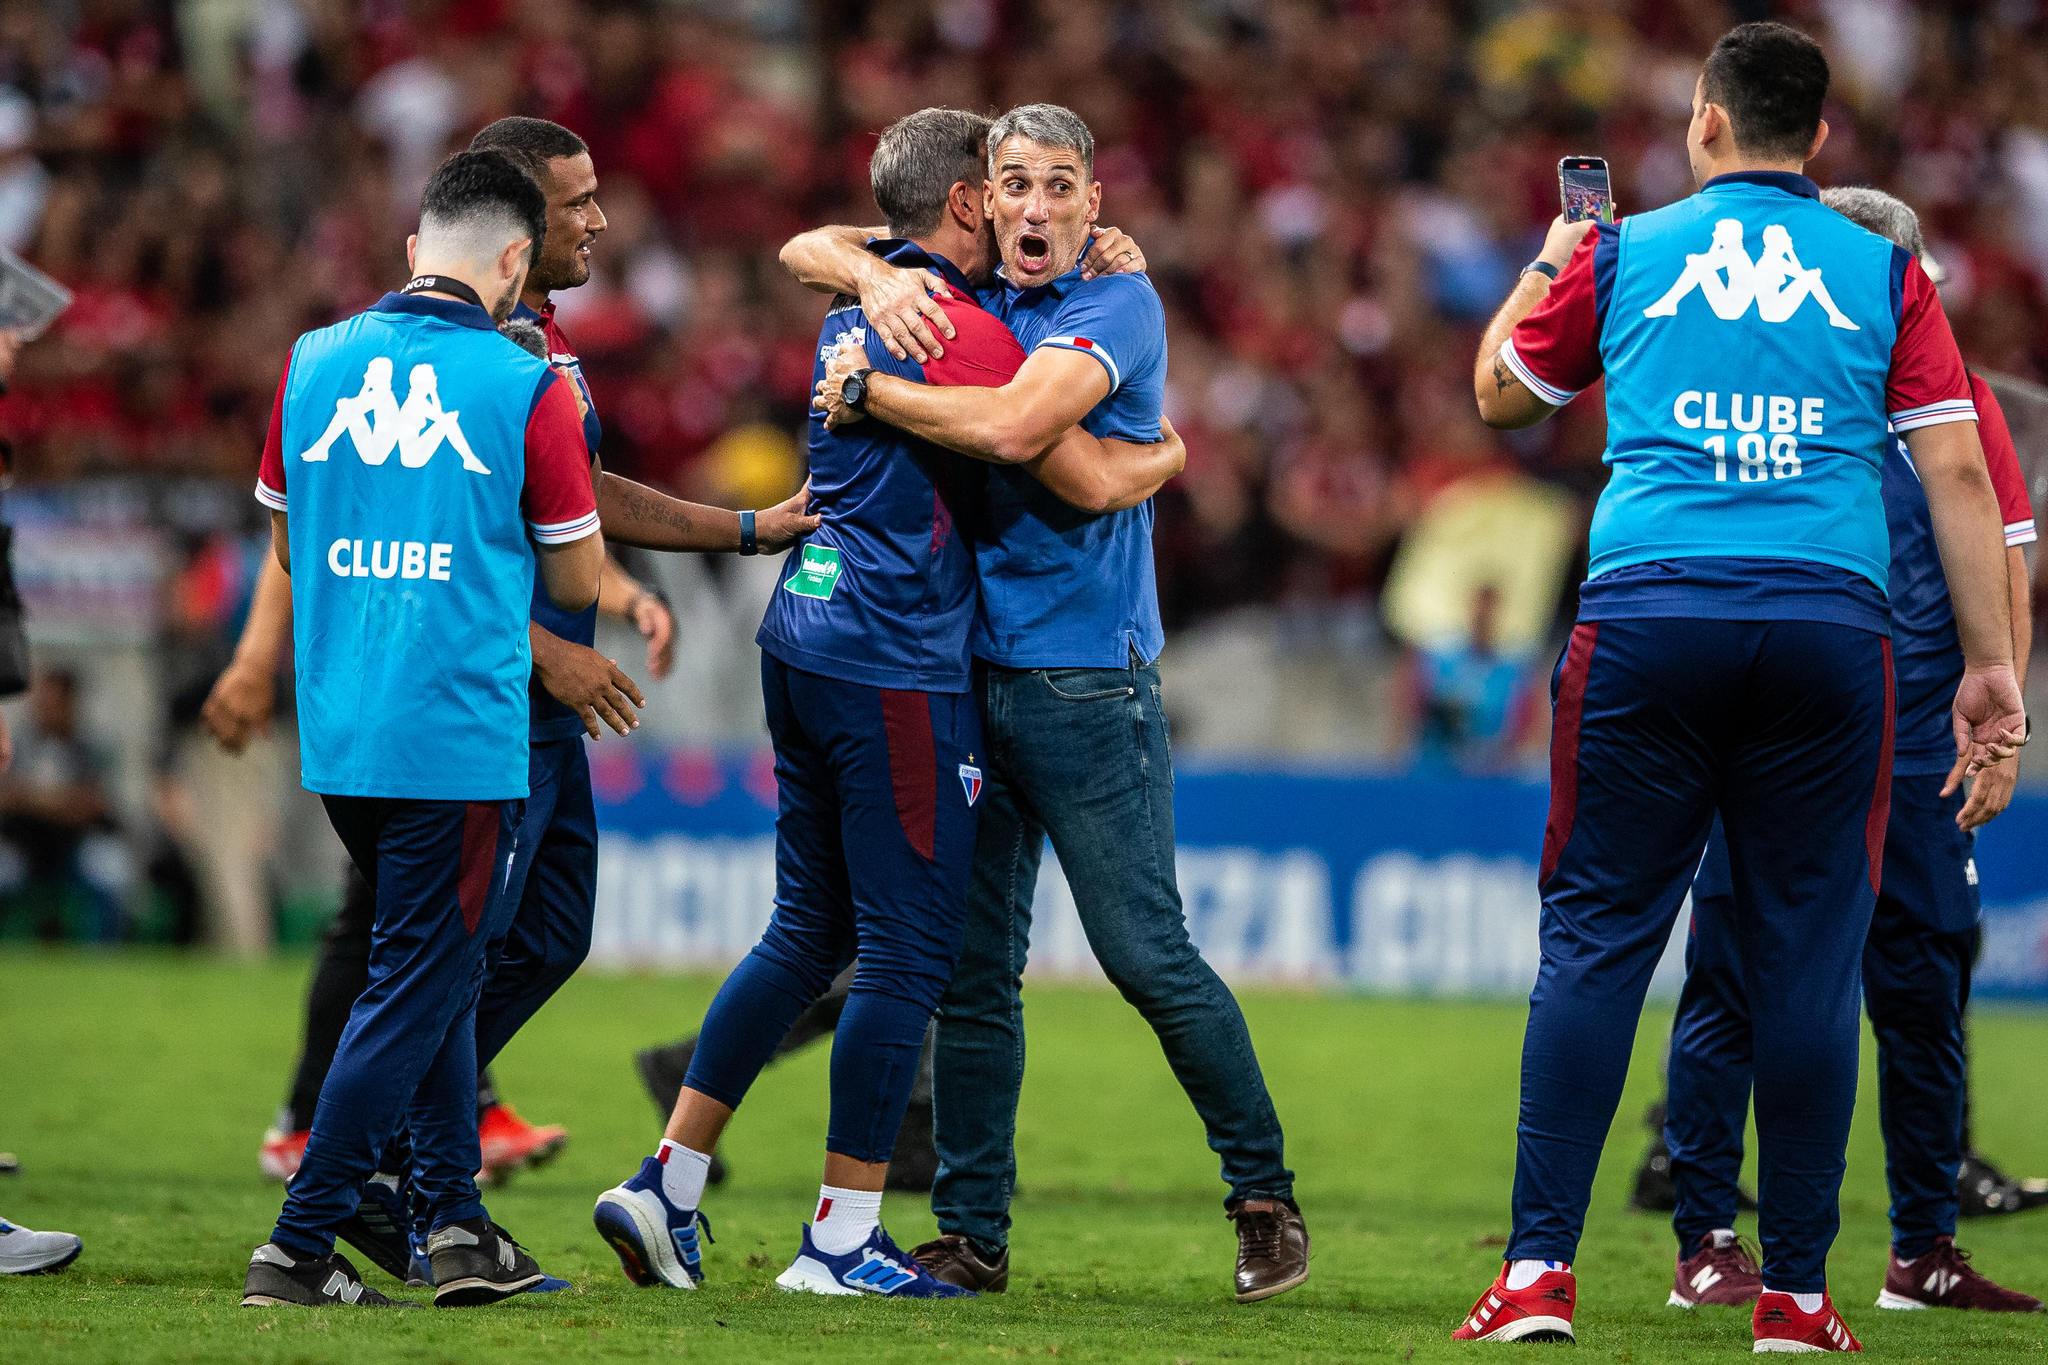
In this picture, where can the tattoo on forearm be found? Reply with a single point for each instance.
(641, 505)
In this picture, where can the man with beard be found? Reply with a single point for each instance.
(1066, 644)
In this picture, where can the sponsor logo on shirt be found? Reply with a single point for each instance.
(377, 423)
(1774, 283)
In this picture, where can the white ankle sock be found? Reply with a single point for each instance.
(1808, 1303)
(682, 1173)
(1724, 1237)
(1522, 1274)
(845, 1218)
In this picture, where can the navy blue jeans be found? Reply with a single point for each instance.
(1082, 755)
(1916, 983)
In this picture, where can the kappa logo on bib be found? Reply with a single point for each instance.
(377, 423)
(1775, 283)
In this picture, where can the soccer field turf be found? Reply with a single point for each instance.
(134, 1089)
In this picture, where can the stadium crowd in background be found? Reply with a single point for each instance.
(211, 179)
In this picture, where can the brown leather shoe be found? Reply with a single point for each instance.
(952, 1258)
(1272, 1248)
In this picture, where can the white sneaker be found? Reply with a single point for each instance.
(30, 1253)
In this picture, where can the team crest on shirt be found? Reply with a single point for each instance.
(970, 782)
(377, 423)
(1775, 283)
(855, 337)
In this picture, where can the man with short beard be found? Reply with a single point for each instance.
(1066, 645)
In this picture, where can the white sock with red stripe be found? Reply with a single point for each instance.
(1522, 1274)
(683, 1171)
(845, 1218)
(1808, 1303)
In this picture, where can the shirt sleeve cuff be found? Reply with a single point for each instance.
(563, 532)
(269, 496)
(2019, 533)
(1934, 414)
(1548, 392)
(1088, 347)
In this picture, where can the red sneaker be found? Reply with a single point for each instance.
(1541, 1312)
(281, 1153)
(1944, 1278)
(1780, 1325)
(1716, 1273)
(511, 1143)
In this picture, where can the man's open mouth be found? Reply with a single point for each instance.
(1034, 251)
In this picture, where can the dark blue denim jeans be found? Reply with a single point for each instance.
(1082, 755)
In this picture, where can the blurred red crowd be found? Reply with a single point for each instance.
(1332, 197)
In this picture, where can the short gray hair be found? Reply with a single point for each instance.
(919, 159)
(1886, 215)
(1049, 125)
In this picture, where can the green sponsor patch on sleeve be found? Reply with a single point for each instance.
(817, 573)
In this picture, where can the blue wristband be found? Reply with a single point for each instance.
(748, 546)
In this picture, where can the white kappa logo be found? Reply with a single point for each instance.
(379, 424)
(1775, 282)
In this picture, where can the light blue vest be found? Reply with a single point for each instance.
(1746, 334)
(404, 446)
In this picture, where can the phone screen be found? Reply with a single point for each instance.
(1583, 186)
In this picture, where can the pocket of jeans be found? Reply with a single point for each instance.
(1087, 684)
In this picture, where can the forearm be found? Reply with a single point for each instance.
(1967, 532)
(634, 514)
(1503, 400)
(269, 627)
(831, 260)
(618, 590)
(985, 424)
(1106, 476)
(2021, 579)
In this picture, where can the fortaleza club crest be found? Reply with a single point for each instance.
(970, 781)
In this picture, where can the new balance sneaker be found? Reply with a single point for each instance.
(476, 1262)
(1985, 1191)
(23, 1252)
(282, 1151)
(379, 1227)
(511, 1144)
(1781, 1326)
(655, 1241)
(1944, 1278)
(1718, 1272)
(876, 1266)
(278, 1279)
(1541, 1311)
(952, 1258)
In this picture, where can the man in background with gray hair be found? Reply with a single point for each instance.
(1066, 647)
(1923, 936)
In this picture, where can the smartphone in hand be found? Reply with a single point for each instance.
(1584, 188)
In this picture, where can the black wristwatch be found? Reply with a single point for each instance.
(1543, 268)
(853, 390)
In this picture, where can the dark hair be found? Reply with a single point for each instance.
(472, 185)
(1772, 80)
(919, 159)
(533, 142)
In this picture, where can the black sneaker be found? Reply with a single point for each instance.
(1654, 1190)
(277, 1279)
(1984, 1191)
(378, 1227)
(476, 1262)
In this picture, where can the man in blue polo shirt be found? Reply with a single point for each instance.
(1067, 643)
(1732, 654)
(879, 761)
(411, 582)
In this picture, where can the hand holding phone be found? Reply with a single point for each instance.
(1585, 190)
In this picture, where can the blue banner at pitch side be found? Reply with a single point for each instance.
(1372, 881)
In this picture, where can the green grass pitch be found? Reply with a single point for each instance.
(134, 1088)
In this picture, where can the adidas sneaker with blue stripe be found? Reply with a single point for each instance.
(876, 1266)
(656, 1242)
